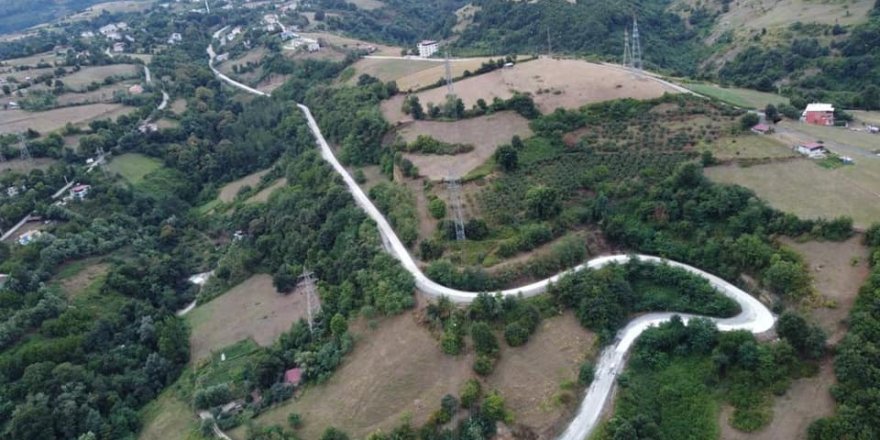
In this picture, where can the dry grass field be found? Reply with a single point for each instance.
(866, 117)
(553, 84)
(758, 14)
(33, 60)
(116, 7)
(252, 309)
(74, 277)
(168, 417)
(840, 135)
(87, 75)
(228, 192)
(415, 73)
(21, 166)
(104, 94)
(802, 187)
(367, 4)
(361, 397)
(20, 120)
(484, 133)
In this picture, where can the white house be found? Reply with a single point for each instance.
(28, 237)
(118, 47)
(812, 150)
(87, 34)
(108, 29)
(175, 38)
(428, 48)
(80, 192)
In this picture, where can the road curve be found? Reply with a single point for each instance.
(754, 316)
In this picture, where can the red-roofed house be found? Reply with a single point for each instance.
(818, 114)
(812, 149)
(293, 376)
(762, 129)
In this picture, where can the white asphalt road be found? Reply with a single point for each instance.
(754, 317)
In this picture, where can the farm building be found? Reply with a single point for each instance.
(427, 48)
(136, 89)
(80, 191)
(812, 149)
(293, 376)
(818, 114)
(119, 47)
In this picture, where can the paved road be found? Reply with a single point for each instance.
(754, 316)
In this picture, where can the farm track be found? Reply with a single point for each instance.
(754, 316)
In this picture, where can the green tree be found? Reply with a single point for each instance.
(483, 365)
(748, 121)
(484, 340)
(516, 334)
(871, 97)
(493, 407)
(543, 202)
(452, 342)
(470, 393)
(173, 339)
(772, 114)
(507, 157)
(294, 420)
(787, 278)
(437, 208)
(338, 325)
(332, 433)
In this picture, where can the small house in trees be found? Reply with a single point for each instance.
(293, 376)
(762, 129)
(818, 114)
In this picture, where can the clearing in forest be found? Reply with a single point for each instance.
(485, 133)
(133, 167)
(252, 309)
(808, 190)
(554, 83)
(228, 192)
(75, 276)
(264, 193)
(87, 75)
(361, 397)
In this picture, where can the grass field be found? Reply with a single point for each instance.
(22, 166)
(362, 397)
(866, 117)
(104, 94)
(808, 190)
(352, 44)
(168, 417)
(252, 309)
(264, 194)
(19, 120)
(87, 75)
(391, 70)
(553, 84)
(758, 14)
(748, 146)
(230, 190)
(484, 133)
(115, 7)
(841, 135)
(745, 98)
(33, 60)
(133, 166)
(76, 276)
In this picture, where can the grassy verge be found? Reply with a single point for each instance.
(745, 98)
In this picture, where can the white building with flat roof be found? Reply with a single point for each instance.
(428, 48)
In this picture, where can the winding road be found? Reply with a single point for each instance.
(754, 316)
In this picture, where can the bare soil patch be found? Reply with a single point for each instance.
(485, 133)
(362, 397)
(104, 94)
(838, 269)
(83, 278)
(805, 401)
(351, 43)
(178, 106)
(561, 83)
(252, 309)
(434, 71)
(19, 120)
(22, 166)
(228, 192)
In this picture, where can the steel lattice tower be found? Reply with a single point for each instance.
(627, 54)
(449, 89)
(307, 279)
(23, 148)
(636, 46)
(453, 185)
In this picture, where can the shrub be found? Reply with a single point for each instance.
(294, 420)
(515, 334)
(470, 393)
(586, 374)
(483, 365)
(437, 208)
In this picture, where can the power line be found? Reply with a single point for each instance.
(636, 47)
(23, 148)
(449, 90)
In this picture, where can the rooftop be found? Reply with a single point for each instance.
(819, 107)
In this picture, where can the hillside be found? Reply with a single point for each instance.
(22, 14)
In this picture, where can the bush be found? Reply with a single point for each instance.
(437, 208)
(483, 365)
(586, 374)
(748, 121)
(515, 334)
(485, 342)
(294, 420)
(470, 393)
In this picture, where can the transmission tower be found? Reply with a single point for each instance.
(636, 47)
(307, 279)
(449, 89)
(627, 54)
(453, 185)
(549, 46)
(23, 148)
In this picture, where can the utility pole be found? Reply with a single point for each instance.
(307, 279)
(453, 185)
(449, 90)
(636, 47)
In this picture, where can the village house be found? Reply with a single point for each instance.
(87, 34)
(118, 47)
(427, 48)
(136, 89)
(812, 149)
(762, 129)
(80, 192)
(818, 114)
(222, 57)
(175, 38)
(293, 376)
(29, 237)
(148, 128)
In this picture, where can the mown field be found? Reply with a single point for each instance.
(51, 120)
(745, 98)
(133, 167)
(802, 187)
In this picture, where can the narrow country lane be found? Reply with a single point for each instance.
(754, 316)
